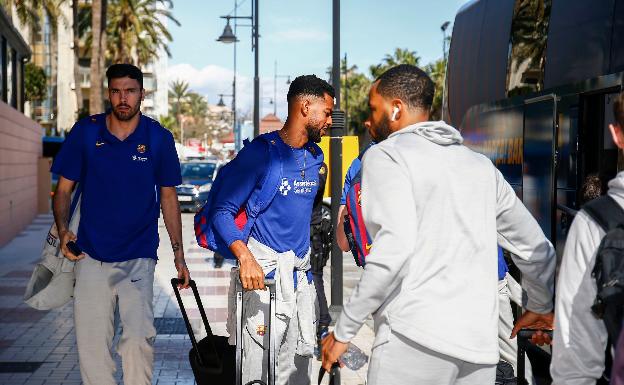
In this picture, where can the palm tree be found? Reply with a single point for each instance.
(437, 72)
(400, 56)
(178, 94)
(136, 30)
(197, 107)
(98, 42)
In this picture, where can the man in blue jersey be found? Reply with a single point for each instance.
(279, 242)
(127, 169)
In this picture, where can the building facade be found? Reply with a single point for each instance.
(20, 137)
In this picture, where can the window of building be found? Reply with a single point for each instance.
(2, 67)
(10, 95)
(527, 46)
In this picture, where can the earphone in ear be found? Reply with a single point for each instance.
(394, 113)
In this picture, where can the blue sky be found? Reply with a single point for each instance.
(298, 35)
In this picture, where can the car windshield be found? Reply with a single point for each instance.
(198, 170)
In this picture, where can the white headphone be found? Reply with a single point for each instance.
(394, 113)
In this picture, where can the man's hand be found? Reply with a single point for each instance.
(183, 271)
(332, 350)
(66, 236)
(251, 274)
(530, 320)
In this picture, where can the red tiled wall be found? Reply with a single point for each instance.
(20, 148)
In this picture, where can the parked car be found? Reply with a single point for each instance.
(197, 178)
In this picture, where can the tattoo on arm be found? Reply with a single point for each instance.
(175, 246)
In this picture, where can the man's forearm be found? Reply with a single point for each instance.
(341, 237)
(61, 208)
(173, 223)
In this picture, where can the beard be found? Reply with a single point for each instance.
(124, 116)
(314, 129)
(382, 130)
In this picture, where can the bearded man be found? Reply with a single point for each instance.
(278, 243)
(126, 168)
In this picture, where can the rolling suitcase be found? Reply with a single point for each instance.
(213, 360)
(270, 283)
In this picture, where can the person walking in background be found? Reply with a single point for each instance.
(436, 211)
(320, 243)
(580, 338)
(127, 169)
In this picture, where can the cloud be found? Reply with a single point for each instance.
(212, 80)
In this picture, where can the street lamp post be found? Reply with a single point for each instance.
(228, 36)
(443, 27)
(335, 149)
(275, 76)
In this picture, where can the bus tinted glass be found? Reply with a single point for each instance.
(579, 41)
(529, 31)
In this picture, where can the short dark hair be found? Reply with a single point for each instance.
(309, 85)
(591, 188)
(122, 70)
(618, 109)
(408, 83)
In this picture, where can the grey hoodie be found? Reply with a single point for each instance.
(436, 211)
(580, 338)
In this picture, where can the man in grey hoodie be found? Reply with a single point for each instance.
(436, 211)
(580, 339)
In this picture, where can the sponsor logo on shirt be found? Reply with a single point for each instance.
(285, 187)
(139, 158)
(300, 186)
(304, 186)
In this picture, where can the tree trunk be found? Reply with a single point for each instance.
(95, 91)
(53, 81)
(77, 77)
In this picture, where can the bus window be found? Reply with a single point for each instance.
(529, 31)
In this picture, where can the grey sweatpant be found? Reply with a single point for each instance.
(100, 286)
(400, 361)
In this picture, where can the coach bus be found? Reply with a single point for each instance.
(530, 83)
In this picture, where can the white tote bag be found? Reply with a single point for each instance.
(52, 282)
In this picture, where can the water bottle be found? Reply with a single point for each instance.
(354, 358)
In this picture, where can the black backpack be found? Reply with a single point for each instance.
(609, 268)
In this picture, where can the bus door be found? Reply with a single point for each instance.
(567, 167)
(598, 154)
(539, 160)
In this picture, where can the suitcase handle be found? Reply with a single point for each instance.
(524, 335)
(528, 333)
(334, 374)
(174, 283)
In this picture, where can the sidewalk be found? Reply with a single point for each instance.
(38, 347)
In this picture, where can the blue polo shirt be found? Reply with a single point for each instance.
(120, 181)
(285, 224)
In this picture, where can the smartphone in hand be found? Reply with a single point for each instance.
(73, 247)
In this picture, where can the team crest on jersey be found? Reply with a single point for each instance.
(359, 197)
(322, 171)
(261, 330)
(141, 148)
